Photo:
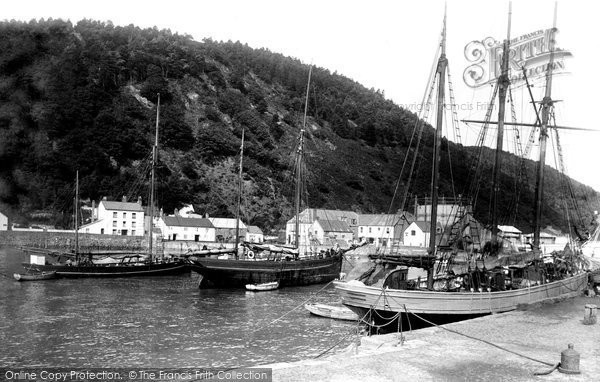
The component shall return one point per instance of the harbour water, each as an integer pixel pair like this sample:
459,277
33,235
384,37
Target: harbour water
156,322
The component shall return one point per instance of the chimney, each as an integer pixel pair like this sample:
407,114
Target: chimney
104,198
94,212
206,215
124,198
139,200
176,212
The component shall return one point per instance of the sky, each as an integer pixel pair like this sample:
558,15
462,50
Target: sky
386,45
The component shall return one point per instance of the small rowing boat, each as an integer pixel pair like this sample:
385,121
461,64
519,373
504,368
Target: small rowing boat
263,287
35,276
330,311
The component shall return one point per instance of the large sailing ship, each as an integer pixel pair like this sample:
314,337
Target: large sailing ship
385,293
110,264
250,263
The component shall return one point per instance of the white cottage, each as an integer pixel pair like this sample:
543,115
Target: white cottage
383,229
3,222
417,234
191,229
225,229
254,234
334,230
308,217
117,218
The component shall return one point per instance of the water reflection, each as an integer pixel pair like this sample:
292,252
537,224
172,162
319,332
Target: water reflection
158,322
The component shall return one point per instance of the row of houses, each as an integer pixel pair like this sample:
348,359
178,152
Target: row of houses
322,227
131,219
317,227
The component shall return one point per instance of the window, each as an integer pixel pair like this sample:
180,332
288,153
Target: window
185,228
124,223
114,215
369,229
114,223
133,215
124,215
114,231
387,230
132,232
353,221
133,224
413,233
361,229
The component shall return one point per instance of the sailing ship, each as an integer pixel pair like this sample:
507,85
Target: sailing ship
385,293
78,265
259,264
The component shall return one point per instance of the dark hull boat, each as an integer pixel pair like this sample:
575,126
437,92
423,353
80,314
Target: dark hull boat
231,273
114,270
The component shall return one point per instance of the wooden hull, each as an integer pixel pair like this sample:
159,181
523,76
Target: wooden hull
443,307
35,277
335,312
106,271
229,273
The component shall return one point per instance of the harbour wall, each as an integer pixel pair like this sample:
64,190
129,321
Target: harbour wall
65,240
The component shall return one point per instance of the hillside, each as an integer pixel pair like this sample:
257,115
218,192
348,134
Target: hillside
83,97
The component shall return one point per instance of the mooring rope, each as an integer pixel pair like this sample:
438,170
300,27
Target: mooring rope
482,340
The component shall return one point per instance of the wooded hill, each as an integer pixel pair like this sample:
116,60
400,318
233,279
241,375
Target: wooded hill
83,97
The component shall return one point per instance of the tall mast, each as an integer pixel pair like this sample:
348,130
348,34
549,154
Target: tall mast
239,197
441,74
77,216
299,161
503,82
154,158
547,105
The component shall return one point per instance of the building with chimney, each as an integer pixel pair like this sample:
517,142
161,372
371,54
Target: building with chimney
116,218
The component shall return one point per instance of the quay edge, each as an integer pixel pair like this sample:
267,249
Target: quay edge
542,332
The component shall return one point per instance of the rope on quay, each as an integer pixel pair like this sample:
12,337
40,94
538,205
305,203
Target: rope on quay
554,366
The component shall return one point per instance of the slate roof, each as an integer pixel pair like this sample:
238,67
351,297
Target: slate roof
309,215
334,226
382,219
226,223
178,221
122,206
255,230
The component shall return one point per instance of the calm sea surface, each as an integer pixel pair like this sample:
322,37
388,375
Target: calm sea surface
156,322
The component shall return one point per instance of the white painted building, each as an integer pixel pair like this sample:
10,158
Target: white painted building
417,234
117,218
334,230
308,217
3,222
254,234
190,229
511,234
383,229
225,229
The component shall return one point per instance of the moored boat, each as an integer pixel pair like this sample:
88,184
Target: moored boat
330,311
264,263
384,293
263,287
77,264
35,276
